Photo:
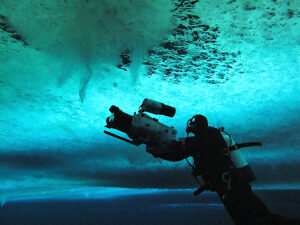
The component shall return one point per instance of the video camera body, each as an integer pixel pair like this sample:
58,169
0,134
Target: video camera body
140,127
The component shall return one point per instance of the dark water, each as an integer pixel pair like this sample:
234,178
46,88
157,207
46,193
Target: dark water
158,208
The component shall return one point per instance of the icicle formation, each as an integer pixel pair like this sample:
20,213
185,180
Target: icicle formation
90,31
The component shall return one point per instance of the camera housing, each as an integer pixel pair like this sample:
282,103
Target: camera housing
140,127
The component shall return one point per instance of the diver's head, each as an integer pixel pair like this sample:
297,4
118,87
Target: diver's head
197,125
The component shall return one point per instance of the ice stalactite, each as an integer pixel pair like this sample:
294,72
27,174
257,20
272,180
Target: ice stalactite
3,200
86,76
97,30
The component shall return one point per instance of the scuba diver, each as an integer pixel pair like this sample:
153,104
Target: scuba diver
222,168
216,158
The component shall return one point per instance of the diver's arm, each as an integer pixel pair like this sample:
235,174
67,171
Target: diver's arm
172,151
175,150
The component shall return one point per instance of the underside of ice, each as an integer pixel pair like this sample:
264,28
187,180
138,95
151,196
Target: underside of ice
64,63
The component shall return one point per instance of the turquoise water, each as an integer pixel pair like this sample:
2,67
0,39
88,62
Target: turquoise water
63,64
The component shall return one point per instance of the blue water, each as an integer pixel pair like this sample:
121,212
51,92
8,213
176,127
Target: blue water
174,207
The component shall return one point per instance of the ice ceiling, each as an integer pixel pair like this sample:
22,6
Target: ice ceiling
64,63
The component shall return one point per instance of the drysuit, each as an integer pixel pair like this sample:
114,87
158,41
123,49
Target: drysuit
223,170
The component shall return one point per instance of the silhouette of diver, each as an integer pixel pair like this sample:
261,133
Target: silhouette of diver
222,168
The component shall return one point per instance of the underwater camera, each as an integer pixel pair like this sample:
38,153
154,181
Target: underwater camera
140,127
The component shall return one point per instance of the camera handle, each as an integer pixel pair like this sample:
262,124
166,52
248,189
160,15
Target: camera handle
123,139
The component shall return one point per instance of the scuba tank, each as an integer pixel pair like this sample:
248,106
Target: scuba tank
235,154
